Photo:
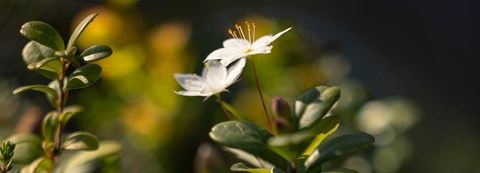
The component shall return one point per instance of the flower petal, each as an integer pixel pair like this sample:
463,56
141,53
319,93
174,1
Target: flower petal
266,40
214,75
261,50
190,82
237,43
234,72
191,93
225,53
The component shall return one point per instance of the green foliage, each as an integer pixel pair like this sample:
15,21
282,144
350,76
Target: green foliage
80,141
84,76
43,33
314,104
47,55
248,137
79,29
338,147
6,154
94,53
301,149
245,168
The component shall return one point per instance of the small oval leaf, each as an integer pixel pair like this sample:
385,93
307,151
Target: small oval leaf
337,148
68,113
290,146
40,165
43,33
325,127
247,137
25,138
49,126
34,52
314,104
79,29
94,53
105,149
84,76
240,167
45,89
48,67
80,141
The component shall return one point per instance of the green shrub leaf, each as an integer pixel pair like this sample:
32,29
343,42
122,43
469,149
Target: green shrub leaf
80,141
40,165
48,67
325,127
34,52
105,149
51,93
290,146
338,147
94,53
49,126
247,137
43,33
314,104
84,76
68,113
240,167
79,29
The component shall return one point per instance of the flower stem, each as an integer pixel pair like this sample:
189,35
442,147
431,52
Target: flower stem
223,106
261,97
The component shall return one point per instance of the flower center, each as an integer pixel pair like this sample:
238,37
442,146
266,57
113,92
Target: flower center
248,34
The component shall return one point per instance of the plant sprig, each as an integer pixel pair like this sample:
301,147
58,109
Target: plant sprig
47,55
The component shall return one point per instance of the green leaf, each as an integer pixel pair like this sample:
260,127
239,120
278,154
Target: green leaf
49,126
25,138
238,167
34,52
314,104
27,152
48,67
79,29
80,141
247,137
94,53
68,113
28,147
51,93
290,146
84,76
337,148
43,33
325,127
41,165
105,149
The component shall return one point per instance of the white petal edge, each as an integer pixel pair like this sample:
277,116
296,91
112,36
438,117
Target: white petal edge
266,40
190,82
224,53
236,43
234,72
191,93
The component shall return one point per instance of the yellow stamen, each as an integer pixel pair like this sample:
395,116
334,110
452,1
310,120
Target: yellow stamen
249,35
253,35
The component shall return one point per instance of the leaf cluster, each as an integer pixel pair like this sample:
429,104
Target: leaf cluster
300,149
47,55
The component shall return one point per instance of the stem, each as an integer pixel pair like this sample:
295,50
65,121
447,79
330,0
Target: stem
61,98
223,107
261,97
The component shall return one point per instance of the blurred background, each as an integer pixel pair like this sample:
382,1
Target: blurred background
407,69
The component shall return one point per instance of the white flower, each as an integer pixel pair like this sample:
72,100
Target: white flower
243,45
215,79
